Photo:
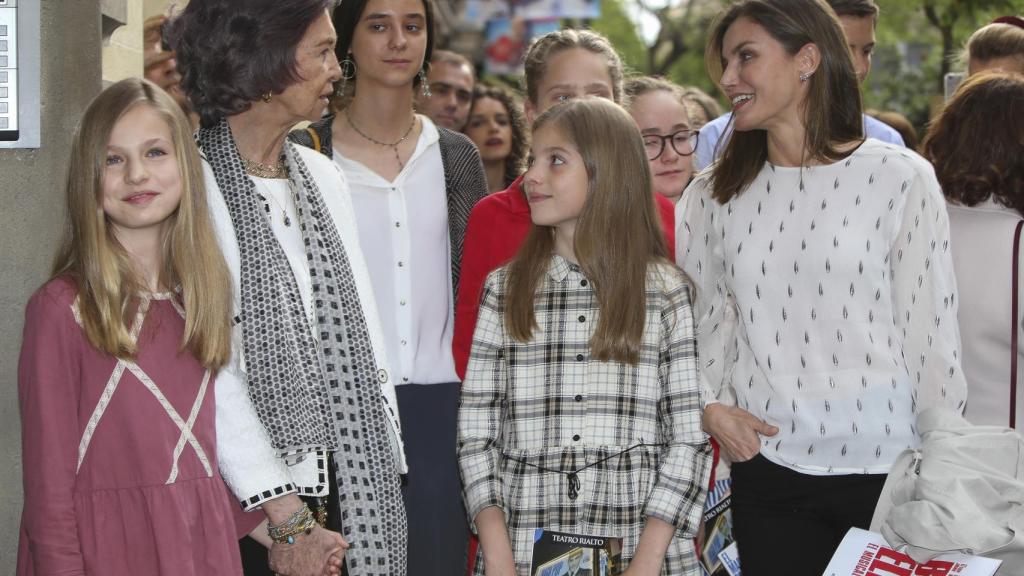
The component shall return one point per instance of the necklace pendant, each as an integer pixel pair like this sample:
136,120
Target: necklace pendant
287,220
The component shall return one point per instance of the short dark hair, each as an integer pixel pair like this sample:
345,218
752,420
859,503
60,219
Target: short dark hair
858,8
231,52
975,142
346,16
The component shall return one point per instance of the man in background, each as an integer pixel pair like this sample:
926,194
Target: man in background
451,81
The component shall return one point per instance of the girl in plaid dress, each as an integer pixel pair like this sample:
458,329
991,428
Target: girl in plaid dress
580,409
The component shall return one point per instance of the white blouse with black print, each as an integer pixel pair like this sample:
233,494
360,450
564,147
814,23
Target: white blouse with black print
826,305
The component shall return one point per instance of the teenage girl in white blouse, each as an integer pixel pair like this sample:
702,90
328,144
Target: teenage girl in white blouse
826,304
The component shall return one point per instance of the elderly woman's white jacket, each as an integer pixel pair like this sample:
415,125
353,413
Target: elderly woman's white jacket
248,461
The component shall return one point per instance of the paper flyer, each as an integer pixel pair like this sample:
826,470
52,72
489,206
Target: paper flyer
864,553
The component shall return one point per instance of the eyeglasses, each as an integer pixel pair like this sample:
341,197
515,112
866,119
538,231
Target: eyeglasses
683,142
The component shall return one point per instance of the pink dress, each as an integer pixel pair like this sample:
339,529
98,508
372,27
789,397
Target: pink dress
120,466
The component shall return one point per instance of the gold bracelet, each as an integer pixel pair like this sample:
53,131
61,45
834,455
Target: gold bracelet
301,521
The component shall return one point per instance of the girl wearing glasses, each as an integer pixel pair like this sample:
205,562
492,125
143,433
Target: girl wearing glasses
826,304
658,107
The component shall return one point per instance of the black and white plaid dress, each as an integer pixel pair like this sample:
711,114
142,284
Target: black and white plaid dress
546,404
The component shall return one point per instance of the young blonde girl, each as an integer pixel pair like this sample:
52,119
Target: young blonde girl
580,405
119,355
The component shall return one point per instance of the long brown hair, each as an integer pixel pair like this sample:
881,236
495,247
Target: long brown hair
617,234
832,107
92,256
975,143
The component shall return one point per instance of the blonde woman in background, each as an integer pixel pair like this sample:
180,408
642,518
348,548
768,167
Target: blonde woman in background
996,46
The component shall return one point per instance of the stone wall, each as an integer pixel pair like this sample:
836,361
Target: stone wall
31,189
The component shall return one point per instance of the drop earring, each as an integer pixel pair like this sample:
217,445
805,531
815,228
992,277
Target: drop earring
424,86
348,72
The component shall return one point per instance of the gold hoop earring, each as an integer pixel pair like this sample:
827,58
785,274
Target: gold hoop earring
266,97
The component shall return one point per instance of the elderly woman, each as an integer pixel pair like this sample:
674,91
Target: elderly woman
306,406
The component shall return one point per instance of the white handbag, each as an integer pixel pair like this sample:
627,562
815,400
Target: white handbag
961,491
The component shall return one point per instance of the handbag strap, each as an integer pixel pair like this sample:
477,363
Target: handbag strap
315,137
1015,256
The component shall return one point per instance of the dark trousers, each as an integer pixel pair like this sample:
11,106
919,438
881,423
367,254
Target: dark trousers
432,490
792,523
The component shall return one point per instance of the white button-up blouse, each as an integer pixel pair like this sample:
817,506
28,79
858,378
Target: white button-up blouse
403,229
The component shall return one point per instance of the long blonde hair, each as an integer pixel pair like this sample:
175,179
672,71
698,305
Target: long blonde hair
92,256
618,233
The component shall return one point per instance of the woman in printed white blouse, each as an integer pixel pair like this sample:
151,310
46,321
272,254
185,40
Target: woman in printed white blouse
826,304
580,408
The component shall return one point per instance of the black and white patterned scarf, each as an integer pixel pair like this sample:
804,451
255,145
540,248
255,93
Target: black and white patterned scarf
310,401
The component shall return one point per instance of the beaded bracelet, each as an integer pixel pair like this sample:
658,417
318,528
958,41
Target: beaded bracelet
301,521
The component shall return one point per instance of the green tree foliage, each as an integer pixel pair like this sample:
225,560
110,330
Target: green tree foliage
918,42
616,25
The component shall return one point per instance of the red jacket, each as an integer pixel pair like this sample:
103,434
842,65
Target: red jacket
497,227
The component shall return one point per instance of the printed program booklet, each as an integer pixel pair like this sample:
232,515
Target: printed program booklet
716,545
864,553
564,554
